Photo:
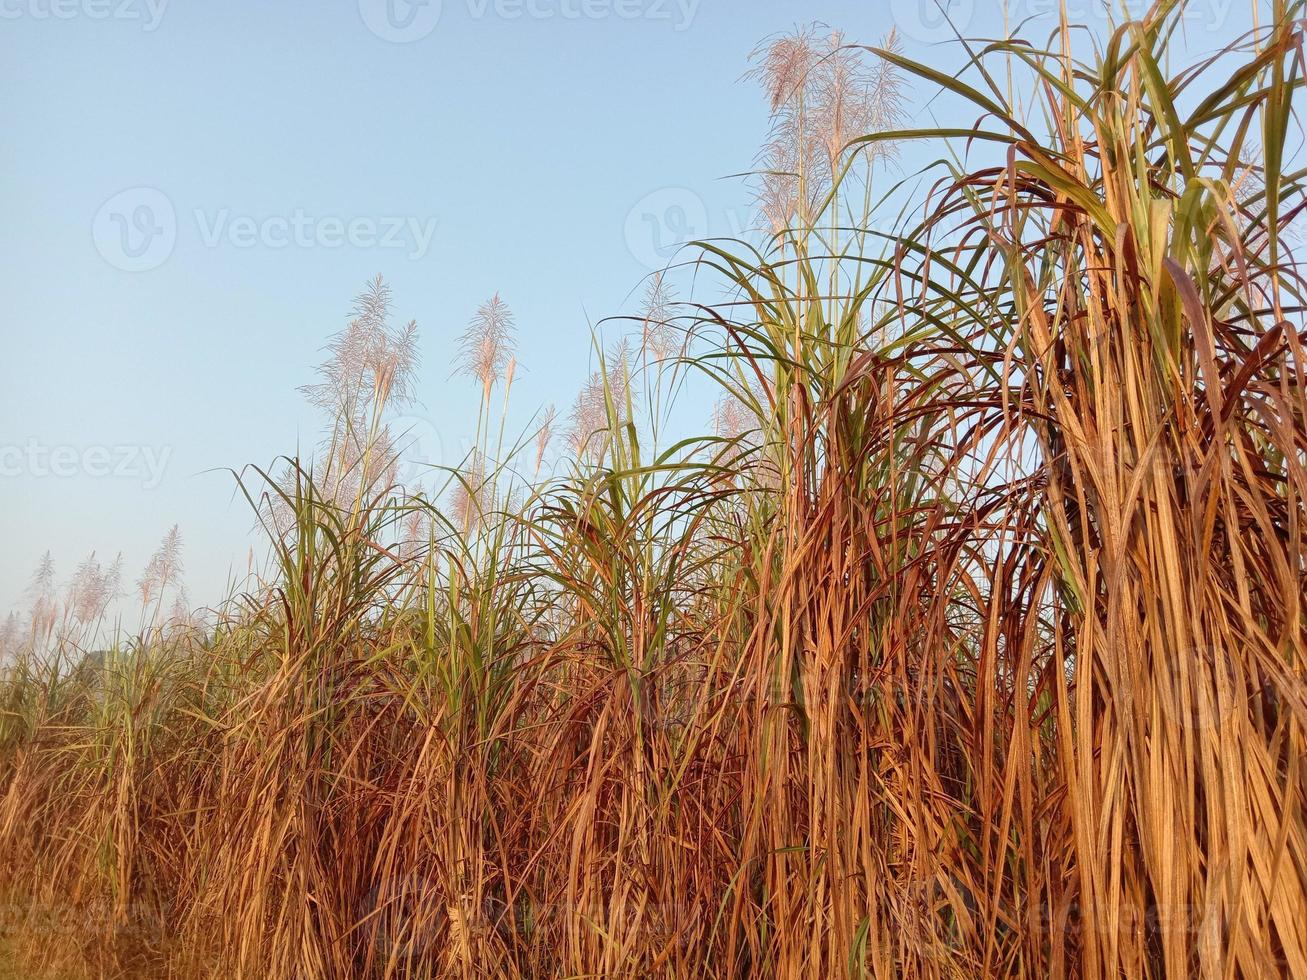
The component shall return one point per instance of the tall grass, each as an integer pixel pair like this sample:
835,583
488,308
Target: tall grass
970,643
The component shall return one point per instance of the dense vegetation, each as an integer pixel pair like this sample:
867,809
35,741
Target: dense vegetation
970,642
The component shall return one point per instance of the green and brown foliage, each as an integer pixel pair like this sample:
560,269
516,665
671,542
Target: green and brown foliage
970,644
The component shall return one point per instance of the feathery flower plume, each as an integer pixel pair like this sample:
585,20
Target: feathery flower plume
486,346
545,434
602,404
589,419
731,418
367,358
853,98
618,372
45,606
93,589
786,61
473,493
370,367
414,533
886,99
164,567
42,583
658,338
181,615
789,158
822,94
9,638
113,578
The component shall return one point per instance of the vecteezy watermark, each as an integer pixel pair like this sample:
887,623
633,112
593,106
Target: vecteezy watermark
1210,15
419,450
400,21
932,21
678,13
148,12
663,222
404,21
299,229
136,230
125,462
94,918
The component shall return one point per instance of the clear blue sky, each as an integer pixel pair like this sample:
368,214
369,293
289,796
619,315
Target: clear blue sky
547,140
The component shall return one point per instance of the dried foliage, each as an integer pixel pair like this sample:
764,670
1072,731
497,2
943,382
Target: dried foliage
981,656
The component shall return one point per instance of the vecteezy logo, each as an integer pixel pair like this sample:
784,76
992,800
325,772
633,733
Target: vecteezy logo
663,222
136,229
419,451
400,21
930,21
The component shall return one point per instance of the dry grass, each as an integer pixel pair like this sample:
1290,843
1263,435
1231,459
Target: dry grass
973,646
